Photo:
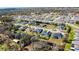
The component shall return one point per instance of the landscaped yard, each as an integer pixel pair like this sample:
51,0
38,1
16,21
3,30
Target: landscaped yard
56,41
69,40
67,46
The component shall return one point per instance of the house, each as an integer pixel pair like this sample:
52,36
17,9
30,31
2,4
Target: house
23,28
17,27
75,45
61,26
45,34
32,23
71,21
59,20
76,39
17,35
74,19
56,35
23,23
16,40
38,30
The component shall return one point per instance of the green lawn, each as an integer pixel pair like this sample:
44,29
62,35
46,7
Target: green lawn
67,46
69,41
71,35
3,47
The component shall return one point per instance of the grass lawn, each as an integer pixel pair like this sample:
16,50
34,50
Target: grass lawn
70,39
71,35
67,46
76,24
3,47
50,26
56,41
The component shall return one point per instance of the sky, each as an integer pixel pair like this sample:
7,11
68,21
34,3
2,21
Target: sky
38,3
40,55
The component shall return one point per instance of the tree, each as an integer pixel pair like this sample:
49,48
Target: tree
69,29
69,40
25,40
77,22
6,19
41,46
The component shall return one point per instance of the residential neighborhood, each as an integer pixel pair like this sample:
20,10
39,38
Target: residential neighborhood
39,29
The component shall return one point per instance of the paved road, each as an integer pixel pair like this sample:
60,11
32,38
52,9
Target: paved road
72,25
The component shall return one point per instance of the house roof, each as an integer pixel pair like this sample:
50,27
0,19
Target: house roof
75,42
16,40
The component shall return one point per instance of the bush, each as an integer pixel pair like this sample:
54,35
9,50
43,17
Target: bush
77,22
26,40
